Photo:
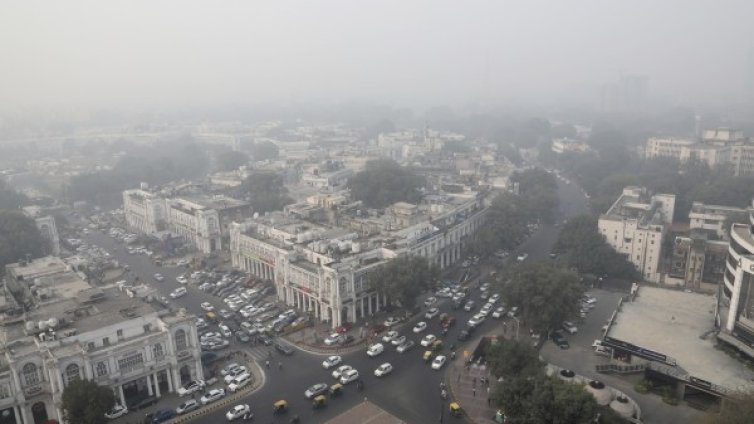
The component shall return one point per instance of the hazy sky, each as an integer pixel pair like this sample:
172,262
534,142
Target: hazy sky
168,53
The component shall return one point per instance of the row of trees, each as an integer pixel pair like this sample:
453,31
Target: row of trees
156,164
403,279
509,215
19,235
581,246
265,191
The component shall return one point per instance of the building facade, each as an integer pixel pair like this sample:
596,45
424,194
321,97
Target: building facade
144,211
712,218
324,270
717,147
196,224
735,313
120,342
635,226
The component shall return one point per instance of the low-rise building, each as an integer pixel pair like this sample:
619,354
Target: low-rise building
564,145
144,210
71,331
322,268
721,146
713,217
635,226
47,228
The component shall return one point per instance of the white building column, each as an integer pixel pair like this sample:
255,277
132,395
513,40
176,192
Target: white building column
149,385
121,395
177,375
735,296
378,300
18,417
156,385
362,306
369,303
169,375
24,418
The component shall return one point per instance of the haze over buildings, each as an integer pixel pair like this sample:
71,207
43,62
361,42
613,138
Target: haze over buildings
188,53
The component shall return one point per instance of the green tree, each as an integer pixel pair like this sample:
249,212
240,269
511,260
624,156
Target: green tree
539,193
402,279
546,294
85,402
583,247
264,150
19,237
229,160
265,191
505,226
510,358
11,199
384,182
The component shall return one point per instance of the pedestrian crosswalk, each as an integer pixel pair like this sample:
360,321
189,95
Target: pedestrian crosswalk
259,353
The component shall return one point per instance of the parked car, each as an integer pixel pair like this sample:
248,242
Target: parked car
333,339
469,306
499,312
191,387
570,327
117,411
559,339
391,321
430,301
389,336
212,395
187,406
163,415
239,382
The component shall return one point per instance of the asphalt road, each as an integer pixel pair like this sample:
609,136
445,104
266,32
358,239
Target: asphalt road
410,392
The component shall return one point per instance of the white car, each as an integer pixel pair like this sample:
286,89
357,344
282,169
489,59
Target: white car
476,320
391,321
180,291
431,313
333,339
438,362
428,340
398,341
331,361
237,412
181,279
570,327
349,376
375,349
315,390
499,312
229,368
225,330
238,372
430,301
188,405
159,277
389,336
117,412
513,312
191,387
183,262
212,396
383,370
405,346
207,306
419,327
210,335
239,382
495,297
340,371
597,343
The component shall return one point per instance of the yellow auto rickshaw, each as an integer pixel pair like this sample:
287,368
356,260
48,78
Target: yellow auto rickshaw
336,389
280,406
428,355
455,409
319,402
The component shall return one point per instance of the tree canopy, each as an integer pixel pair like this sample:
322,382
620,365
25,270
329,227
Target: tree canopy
505,227
264,150
510,358
384,182
265,191
11,199
19,237
155,164
403,278
85,402
546,294
583,247
538,191
229,160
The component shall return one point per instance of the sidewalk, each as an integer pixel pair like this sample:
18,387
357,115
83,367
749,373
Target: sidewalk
468,388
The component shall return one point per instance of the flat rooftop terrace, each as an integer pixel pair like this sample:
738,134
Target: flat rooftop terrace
673,323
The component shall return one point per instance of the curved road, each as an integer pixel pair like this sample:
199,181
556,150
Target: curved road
410,392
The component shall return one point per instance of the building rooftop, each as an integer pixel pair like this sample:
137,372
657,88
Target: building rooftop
680,325
36,268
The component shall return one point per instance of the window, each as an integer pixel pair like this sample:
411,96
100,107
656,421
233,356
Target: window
158,351
119,333
90,346
72,373
180,340
101,369
134,360
106,341
147,328
4,391
31,376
